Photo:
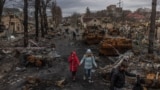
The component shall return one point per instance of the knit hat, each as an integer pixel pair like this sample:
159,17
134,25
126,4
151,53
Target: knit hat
73,53
88,51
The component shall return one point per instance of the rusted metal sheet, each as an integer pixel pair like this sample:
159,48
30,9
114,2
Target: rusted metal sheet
152,80
35,61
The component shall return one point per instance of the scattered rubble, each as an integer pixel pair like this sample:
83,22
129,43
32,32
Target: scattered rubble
147,67
60,83
112,46
15,58
93,35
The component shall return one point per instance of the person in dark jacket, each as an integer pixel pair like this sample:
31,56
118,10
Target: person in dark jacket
74,35
118,77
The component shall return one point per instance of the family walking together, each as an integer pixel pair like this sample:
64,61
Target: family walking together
117,77
89,62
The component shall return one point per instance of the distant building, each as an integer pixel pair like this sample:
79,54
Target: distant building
14,11
91,22
12,23
135,16
114,11
94,22
143,10
118,12
101,22
146,12
12,19
111,8
126,12
84,21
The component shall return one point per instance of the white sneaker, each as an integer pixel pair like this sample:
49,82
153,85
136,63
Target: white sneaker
90,81
84,77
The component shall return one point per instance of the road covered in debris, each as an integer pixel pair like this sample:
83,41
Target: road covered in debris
53,76
44,64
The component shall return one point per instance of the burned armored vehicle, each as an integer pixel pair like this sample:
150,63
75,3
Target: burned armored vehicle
93,35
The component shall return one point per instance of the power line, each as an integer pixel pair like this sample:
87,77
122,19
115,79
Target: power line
120,3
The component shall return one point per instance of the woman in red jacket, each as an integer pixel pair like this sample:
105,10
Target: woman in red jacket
74,63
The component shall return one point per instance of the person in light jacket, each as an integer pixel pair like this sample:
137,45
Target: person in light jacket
89,61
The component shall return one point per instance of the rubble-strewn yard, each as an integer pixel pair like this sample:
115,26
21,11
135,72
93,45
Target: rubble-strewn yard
47,67
15,76
38,36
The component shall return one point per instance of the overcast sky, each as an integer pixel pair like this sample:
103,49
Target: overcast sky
71,6
79,6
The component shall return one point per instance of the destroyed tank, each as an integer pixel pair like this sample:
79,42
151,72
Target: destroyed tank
93,35
112,46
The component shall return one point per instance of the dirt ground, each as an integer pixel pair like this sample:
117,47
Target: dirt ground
14,76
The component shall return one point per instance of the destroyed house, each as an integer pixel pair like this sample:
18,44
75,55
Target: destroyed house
135,16
91,22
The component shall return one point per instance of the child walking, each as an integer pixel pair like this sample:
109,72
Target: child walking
74,63
89,61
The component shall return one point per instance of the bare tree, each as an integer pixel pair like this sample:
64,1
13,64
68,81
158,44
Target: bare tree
56,14
2,2
53,11
25,11
74,18
59,15
44,5
88,12
42,19
152,27
37,4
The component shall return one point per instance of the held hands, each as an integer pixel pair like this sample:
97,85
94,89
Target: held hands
96,66
138,76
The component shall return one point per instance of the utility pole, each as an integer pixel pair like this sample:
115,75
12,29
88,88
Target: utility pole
119,3
152,27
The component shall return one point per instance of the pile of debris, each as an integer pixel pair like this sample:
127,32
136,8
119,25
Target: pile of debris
31,59
112,46
38,58
93,35
145,65
32,83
